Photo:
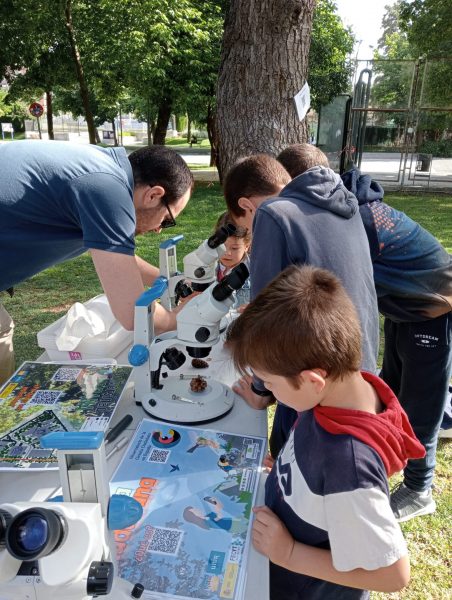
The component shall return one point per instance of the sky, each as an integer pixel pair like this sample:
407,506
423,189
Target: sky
364,16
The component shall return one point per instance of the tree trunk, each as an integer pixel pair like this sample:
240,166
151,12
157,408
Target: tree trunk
84,94
161,126
115,137
189,129
212,135
149,123
49,114
264,62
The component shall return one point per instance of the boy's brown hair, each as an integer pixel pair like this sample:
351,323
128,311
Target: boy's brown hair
298,158
303,319
256,175
241,233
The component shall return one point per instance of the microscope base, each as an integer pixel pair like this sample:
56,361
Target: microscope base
176,403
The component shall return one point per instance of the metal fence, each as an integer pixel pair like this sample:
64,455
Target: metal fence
396,125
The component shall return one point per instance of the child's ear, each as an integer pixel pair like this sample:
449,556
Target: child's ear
315,377
246,204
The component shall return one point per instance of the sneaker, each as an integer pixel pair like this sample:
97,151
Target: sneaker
446,425
407,504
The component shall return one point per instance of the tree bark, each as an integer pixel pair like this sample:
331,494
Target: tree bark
115,137
212,134
189,129
264,62
84,93
161,126
49,114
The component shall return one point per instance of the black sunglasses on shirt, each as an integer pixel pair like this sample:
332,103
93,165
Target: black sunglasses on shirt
167,221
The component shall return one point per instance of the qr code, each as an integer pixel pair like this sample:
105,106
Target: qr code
45,397
165,541
66,374
159,456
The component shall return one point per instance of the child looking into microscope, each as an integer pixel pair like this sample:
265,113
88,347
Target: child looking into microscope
327,525
237,248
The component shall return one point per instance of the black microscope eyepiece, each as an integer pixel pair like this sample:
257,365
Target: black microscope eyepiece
221,235
231,282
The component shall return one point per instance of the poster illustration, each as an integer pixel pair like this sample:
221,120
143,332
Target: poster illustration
197,488
44,397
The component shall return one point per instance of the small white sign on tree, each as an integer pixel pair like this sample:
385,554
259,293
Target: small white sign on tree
302,101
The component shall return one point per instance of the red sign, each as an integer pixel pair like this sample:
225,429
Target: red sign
36,109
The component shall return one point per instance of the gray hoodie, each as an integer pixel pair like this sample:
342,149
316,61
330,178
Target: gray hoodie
315,221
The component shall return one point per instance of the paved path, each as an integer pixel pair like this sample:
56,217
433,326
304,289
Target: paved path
384,167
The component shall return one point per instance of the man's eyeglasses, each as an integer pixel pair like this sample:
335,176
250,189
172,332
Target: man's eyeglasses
167,221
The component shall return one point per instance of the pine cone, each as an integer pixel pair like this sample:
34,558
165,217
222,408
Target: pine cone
198,384
199,363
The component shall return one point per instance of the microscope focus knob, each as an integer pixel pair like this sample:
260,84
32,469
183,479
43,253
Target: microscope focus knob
202,334
137,591
138,355
200,272
100,578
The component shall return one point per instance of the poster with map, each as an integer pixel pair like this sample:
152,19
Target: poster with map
197,488
44,397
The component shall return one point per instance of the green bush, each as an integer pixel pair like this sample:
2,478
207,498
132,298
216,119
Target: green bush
442,149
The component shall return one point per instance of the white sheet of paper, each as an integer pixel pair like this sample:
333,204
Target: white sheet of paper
303,101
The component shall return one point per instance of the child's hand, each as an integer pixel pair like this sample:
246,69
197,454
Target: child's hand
268,462
242,387
271,537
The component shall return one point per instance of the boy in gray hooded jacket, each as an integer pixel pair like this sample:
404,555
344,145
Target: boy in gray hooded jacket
314,220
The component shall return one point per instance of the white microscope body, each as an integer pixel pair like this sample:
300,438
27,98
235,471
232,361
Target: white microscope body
62,550
198,329
65,572
199,265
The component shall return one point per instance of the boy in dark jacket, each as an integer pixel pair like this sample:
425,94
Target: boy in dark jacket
413,279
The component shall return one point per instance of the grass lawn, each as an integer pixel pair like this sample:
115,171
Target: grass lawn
47,296
181,142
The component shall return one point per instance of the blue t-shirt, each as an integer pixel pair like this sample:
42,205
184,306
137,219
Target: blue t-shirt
58,200
331,492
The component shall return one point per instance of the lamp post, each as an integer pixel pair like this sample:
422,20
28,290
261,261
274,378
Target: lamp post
357,51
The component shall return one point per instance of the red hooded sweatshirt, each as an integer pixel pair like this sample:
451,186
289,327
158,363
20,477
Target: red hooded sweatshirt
389,433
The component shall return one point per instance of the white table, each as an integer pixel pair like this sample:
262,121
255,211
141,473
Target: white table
38,486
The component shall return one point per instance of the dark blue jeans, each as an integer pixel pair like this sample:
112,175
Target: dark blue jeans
417,365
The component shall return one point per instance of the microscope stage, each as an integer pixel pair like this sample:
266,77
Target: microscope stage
176,403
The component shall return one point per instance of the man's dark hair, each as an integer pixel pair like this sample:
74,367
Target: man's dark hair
157,165
256,175
298,158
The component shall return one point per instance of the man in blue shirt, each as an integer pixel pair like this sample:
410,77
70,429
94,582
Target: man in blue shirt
58,200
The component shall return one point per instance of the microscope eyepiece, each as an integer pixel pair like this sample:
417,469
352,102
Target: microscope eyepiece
221,235
35,533
231,282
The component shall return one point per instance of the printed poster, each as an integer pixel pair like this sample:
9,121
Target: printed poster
44,397
196,488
